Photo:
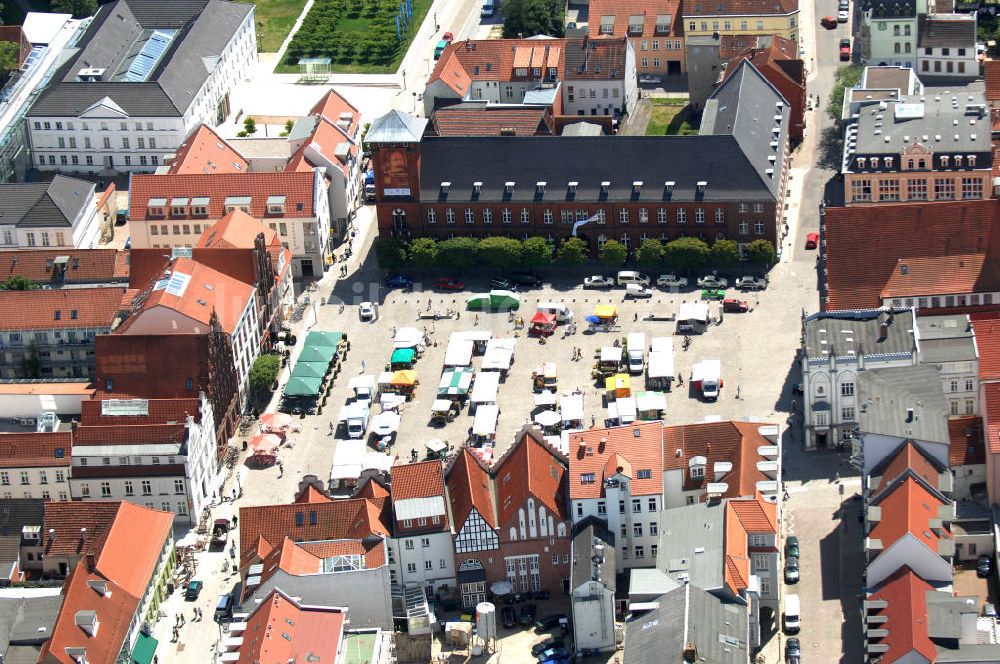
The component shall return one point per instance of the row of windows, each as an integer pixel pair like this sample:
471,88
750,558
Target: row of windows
89,160
178,229
637,529
950,67
602,508
428,565
46,495
126,142
944,161
42,337
43,477
486,215
32,241
103,126
934,302
727,25
124,460
129,488
953,384
916,189
668,45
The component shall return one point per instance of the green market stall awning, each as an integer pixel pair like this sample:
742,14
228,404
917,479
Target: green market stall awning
321,354
320,338
310,369
145,648
456,382
495,300
403,356
303,386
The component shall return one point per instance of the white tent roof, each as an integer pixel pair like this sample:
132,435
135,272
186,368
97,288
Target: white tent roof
459,353
661,364
545,398
611,354
661,344
352,457
499,354
571,406
408,337
486,387
486,420
651,401
693,311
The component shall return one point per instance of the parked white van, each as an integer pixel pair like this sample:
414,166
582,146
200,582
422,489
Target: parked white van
636,342
792,613
562,313
626,277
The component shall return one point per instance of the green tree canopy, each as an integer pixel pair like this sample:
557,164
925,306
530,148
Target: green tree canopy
573,251
650,253
8,57
536,252
423,253
17,282
761,252
528,18
457,253
78,8
263,372
613,253
500,252
390,253
725,254
687,253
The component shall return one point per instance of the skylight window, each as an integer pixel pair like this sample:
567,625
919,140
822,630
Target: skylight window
149,55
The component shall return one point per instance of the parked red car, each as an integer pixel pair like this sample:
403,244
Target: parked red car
448,37
845,49
735,306
829,22
447,283
812,240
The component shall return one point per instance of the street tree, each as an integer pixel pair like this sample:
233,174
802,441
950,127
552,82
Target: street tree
687,253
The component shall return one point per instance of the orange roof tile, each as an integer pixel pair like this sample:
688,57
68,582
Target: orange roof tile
372,489
908,457
733,442
136,434
281,630
908,509
153,366
487,60
130,560
298,189
589,452
991,74
623,10
64,308
469,488
742,519
114,612
492,120
988,342
311,494
417,480
906,610
861,264
33,450
740,8
320,149
530,468
966,444
159,411
165,308
991,397
204,151
332,106
237,230
67,519
85,266
755,515
76,387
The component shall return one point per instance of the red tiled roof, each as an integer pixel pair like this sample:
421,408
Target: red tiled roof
331,106
908,509
139,434
372,489
311,494
595,59
153,366
67,518
732,442
114,611
991,397
754,515
303,558
530,468
469,488
237,230
967,447
764,53
417,480
742,519
991,74
910,457
492,120
63,308
906,596
34,450
166,312
133,546
622,10
740,8
860,263
490,60
281,630
204,151
589,452
320,149
352,518
70,386
84,265
298,189
988,342
159,411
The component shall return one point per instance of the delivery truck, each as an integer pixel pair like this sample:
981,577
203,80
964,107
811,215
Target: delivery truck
706,376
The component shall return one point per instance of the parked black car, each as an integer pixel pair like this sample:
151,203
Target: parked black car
539,648
545,623
984,566
793,651
507,616
526,279
527,614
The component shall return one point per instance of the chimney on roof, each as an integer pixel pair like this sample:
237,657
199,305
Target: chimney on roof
52,534
690,652
91,562
909,414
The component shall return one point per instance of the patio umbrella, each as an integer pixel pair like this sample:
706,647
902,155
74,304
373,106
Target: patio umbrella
592,319
264,443
548,418
275,420
436,445
501,587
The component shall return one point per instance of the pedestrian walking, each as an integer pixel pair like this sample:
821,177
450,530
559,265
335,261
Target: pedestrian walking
281,469
476,321
177,635
680,379
234,494
331,428
635,317
363,366
737,391
428,304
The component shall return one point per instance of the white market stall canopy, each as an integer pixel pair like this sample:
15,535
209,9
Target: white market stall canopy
408,337
459,353
694,311
661,364
649,401
611,354
353,457
486,387
485,423
571,406
499,354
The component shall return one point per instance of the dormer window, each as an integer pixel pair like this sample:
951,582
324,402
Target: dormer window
702,185
179,207
238,203
605,186
696,467
944,160
445,187
861,162
276,205
477,188
199,206
572,187
155,207
508,187
540,188
972,160
958,160
635,24
607,25
887,162
637,186
663,22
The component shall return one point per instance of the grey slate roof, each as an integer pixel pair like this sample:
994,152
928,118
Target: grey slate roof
744,107
590,532
396,127
846,333
205,27
45,204
718,630
890,8
947,338
953,30
885,395
21,620
936,123
692,544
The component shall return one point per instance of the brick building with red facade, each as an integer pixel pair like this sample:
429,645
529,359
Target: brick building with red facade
729,182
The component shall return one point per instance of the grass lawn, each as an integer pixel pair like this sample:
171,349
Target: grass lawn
274,19
357,27
668,117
